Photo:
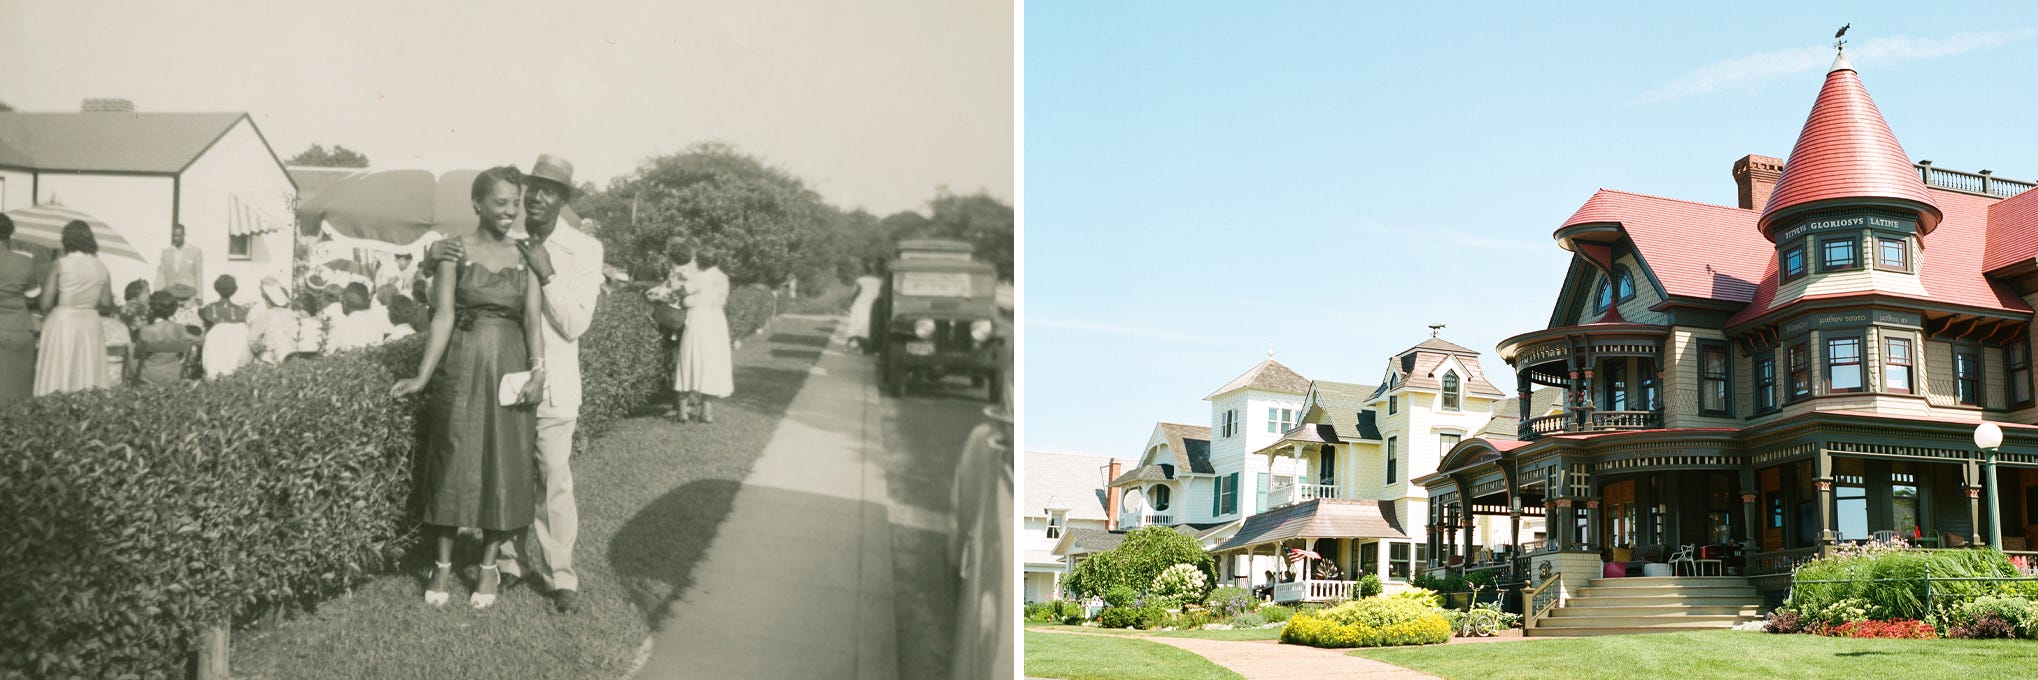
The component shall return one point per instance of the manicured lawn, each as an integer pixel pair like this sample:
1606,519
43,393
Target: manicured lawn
1719,654
651,493
1247,634
1097,657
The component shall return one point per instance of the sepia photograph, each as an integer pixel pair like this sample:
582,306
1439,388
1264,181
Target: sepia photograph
512,339
1371,340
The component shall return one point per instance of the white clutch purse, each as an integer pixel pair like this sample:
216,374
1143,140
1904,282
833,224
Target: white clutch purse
513,387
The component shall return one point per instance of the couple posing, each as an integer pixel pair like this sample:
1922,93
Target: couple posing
503,305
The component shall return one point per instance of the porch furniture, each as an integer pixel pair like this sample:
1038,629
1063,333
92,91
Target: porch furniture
1885,536
1614,570
1684,556
1926,541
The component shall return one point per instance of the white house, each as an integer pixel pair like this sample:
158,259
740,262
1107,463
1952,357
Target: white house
1064,493
143,172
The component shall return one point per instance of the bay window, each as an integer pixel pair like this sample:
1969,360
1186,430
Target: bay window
1896,365
1843,365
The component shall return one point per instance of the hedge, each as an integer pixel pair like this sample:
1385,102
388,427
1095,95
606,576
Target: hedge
137,515
1376,622
1886,583
749,309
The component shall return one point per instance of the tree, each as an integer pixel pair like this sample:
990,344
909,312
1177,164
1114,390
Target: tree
983,221
765,221
1135,563
4,108
339,157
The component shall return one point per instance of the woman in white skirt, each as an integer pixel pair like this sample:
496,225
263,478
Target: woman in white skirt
860,309
705,368
226,331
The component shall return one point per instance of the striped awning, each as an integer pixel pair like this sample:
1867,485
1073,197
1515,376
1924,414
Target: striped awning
243,218
43,225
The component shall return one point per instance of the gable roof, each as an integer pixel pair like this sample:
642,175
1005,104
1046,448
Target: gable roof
1696,250
1146,473
1342,403
1268,376
1190,444
1065,480
2012,231
153,143
1846,151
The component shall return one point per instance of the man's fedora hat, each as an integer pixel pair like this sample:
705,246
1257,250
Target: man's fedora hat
553,169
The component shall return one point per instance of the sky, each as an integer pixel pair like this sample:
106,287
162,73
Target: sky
875,104
1206,180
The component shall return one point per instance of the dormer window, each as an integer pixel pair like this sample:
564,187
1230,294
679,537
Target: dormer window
1056,520
1604,298
1623,286
1451,395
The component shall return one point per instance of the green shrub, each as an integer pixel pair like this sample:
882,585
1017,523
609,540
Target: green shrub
1369,585
1231,601
2016,611
1135,563
1248,621
622,363
139,514
1120,596
1188,620
1423,595
1888,584
749,309
1275,612
1145,617
1376,612
1309,629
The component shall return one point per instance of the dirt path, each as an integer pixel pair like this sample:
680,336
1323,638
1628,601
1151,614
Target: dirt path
1271,660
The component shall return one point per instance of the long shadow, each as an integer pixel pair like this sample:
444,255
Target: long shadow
767,390
803,339
801,354
663,542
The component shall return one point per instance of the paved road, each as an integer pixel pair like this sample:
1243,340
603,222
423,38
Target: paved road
832,562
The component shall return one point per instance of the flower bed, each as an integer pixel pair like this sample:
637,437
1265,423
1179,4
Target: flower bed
1375,622
1887,590
138,515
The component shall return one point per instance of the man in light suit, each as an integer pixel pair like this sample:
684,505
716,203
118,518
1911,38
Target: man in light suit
569,265
182,265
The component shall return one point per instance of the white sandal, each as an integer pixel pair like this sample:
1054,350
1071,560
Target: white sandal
438,598
483,600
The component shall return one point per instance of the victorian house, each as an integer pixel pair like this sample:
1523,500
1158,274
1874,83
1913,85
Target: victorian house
1765,380
1065,497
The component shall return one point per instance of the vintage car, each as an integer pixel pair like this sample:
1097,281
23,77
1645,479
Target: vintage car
940,318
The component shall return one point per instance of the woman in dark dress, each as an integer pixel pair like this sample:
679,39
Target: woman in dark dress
478,453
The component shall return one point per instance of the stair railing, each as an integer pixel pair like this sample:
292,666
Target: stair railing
1539,600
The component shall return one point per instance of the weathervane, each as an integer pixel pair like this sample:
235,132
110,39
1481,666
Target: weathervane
1433,328
1270,350
1839,44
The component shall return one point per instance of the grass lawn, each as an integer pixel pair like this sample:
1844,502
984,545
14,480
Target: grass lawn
1096,657
1247,634
1718,654
650,492
834,300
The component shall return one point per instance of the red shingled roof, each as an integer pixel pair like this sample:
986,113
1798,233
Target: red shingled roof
1846,151
1950,267
2012,231
1696,250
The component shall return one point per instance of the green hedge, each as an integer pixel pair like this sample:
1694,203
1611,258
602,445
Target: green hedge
1376,622
136,515
749,309
1887,583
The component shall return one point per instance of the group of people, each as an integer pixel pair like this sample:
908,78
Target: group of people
696,291
61,330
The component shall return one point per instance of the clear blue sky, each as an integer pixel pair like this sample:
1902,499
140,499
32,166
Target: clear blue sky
1203,179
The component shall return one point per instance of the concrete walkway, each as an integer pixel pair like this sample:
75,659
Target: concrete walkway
1271,660
797,582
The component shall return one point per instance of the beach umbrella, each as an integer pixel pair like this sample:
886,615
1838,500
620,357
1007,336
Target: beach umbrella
396,206
43,225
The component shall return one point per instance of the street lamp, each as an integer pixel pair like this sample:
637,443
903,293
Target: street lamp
1989,437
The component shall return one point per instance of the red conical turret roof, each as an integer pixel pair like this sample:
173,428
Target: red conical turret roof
1846,154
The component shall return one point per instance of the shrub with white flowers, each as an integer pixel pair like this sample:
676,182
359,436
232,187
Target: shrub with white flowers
1181,583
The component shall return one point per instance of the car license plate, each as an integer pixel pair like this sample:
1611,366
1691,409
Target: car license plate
920,348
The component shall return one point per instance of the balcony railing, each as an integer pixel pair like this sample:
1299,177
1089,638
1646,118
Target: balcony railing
1307,590
1148,520
1971,182
1290,494
1597,421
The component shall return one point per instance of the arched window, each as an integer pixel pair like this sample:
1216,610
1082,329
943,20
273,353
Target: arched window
1451,391
1623,285
1604,298
1160,498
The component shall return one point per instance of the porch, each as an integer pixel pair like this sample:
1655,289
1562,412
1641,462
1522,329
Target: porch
1610,373
1317,550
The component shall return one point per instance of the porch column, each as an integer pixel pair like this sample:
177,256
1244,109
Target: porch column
1450,530
1559,520
1593,541
1574,395
1514,527
1974,502
1471,539
1523,392
1824,480
1750,511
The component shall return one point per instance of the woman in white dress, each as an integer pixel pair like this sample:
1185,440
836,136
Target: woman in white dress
272,330
72,355
706,368
226,331
861,308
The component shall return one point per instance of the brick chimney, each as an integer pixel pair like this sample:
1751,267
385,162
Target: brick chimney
106,105
1111,496
1756,176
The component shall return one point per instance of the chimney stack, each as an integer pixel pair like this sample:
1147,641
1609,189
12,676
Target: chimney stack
1756,178
107,105
1111,496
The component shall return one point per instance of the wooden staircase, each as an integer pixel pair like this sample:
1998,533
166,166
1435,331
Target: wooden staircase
1659,604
